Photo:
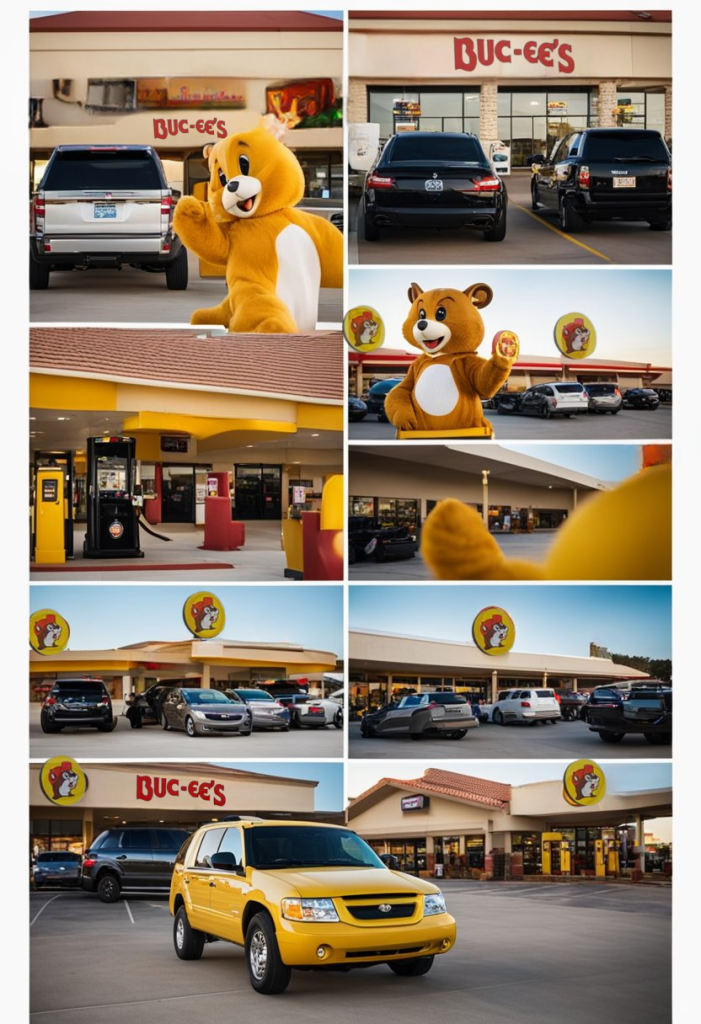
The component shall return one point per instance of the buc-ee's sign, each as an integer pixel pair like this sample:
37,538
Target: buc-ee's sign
472,52
150,787
165,126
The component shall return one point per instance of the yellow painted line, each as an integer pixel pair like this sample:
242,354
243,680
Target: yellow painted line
562,234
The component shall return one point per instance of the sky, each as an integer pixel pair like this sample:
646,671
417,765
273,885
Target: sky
108,617
607,462
558,619
630,309
328,796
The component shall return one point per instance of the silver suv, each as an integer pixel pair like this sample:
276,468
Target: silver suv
563,398
533,705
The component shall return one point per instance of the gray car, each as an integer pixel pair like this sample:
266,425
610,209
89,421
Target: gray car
604,398
267,712
437,713
201,712
57,868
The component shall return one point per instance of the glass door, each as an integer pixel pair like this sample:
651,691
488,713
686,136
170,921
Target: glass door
178,504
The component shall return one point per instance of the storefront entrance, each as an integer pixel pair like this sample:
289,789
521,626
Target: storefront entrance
178,502
258,492
411,854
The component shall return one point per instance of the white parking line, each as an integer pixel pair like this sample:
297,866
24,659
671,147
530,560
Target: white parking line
131,916
43,908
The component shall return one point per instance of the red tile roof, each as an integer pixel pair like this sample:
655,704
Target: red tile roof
494,15
464,787
185,21
302,366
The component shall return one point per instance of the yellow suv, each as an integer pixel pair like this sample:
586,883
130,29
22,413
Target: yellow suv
305,895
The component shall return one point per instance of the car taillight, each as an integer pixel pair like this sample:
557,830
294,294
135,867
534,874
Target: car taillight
375,181
433,704
583,177
617,392
525,703
554,403
104,700
49,701
39,206
166,204
669,179
89,862
490,184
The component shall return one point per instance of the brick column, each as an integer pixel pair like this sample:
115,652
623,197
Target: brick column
668,112
357,105
607,104
489,130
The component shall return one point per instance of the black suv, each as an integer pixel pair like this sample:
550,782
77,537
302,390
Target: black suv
77,703
131,859
433,180
645,709
606,174
366,539
640,398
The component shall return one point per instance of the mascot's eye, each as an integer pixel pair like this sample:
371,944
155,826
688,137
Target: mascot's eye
244,164
441,314
422,314
222,177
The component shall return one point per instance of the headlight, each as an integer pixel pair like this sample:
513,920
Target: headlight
434,904
295,909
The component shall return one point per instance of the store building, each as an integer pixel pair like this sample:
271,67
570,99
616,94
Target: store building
215,664
176,80
386,666
527,81
449,825
399,485
164,794
269,414
366,368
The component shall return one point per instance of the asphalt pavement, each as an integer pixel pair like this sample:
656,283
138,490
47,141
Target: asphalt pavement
536,953
570,740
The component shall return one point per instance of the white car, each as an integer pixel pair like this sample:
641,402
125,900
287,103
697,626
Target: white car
532,705
332,707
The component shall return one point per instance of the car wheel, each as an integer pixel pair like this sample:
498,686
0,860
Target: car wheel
38,275
38,885
266,971
108,889
498,718
382,418
661,225
189,726
188,942
411,968
417,735
370,233
458,734
570,415
368,731
611,737
615,412
108,726
176,272
535,205
135,721
498,232
49,727
545,412
570,221
338,720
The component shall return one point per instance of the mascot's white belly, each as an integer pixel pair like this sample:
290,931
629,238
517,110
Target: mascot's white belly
435,391
298,275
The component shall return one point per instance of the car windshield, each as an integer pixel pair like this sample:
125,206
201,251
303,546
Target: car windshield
101,169
449,149
601,389
626,145
253,695
286,846
568,389
205,697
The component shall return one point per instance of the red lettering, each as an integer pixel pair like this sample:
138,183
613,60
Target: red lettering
545,54
529,52
465,59
173,787
485,52
159,787
144,789
219,798
221,128
159,128
200,125
209,126
172,126
184,126
193,788
503,51
204,790
566,64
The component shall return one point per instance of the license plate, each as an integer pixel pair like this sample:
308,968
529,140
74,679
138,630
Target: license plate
434,185
105,211
624,182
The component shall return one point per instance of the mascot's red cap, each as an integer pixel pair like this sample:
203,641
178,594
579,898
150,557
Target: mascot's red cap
361,318
57,771
488,624
571,327
41,624
198,607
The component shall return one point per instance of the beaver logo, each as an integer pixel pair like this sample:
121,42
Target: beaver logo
48,632
364,328
494,632
576,335
63,779
205,614
586,782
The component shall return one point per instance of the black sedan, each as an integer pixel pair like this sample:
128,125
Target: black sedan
357,409
201,712
433,180
367,538
640,398
647,710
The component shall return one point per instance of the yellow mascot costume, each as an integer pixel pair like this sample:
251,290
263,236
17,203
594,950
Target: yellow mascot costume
443,387
276,257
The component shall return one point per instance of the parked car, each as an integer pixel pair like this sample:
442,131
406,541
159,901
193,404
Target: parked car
606,174
537,704
433,180
357,409
377,394
200,712
57,867
77,703
367,539
640,398
644,709
267,712
419,715
131,859
300,894
571,703
482,716
601,696
557,398
146,708
105,206
604,398
332,707
304,712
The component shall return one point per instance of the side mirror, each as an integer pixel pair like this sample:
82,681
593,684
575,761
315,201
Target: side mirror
225,862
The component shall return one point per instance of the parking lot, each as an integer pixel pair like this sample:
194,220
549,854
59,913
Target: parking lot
627,425
152,742
530,238
570,740
539,953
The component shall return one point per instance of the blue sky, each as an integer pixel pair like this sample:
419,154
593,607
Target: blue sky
107,617
328,796
630,309
632,620
609,462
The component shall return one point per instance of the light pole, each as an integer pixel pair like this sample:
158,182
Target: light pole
485,497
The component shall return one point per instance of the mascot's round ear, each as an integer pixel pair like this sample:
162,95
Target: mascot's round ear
414,291
479,294
207,150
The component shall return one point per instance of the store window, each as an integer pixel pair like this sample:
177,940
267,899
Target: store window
529,845
323,173
411,854
366,694
362,507
398,512
431,110
402,686
533,121
640,110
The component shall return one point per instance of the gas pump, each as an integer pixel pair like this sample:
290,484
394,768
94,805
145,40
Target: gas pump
566,857
113,530
60,462
612,856
599,862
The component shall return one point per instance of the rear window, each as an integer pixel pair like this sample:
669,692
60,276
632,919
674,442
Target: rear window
626,145
568,389
170,838
59,857
601,389
94,169
79,687
545,693
253,695
447,698
444,148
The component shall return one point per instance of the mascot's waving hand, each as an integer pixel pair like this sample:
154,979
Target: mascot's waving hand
276,257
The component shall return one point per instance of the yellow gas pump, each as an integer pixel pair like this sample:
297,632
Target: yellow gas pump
599,862
613,857
547,841
565,858
547,860
50,516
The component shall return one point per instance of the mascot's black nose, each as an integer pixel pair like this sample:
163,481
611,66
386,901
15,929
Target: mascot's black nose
422,325
232,186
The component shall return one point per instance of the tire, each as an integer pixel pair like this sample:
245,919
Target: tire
411,968
417,735
368,732
370,232
176,272
498,718
458,734
49,727
611,737
190,726
615,412
498,232
188,942
570,220
108,727
135,720
108,888
38,275
545,412
535,205
266,971
661,225
338,721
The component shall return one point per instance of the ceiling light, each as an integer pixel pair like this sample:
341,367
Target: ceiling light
315,435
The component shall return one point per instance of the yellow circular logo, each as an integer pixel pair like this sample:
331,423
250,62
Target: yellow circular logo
63,781
583,783
363,328
48,632
506,343
494,631
575,336
204,614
